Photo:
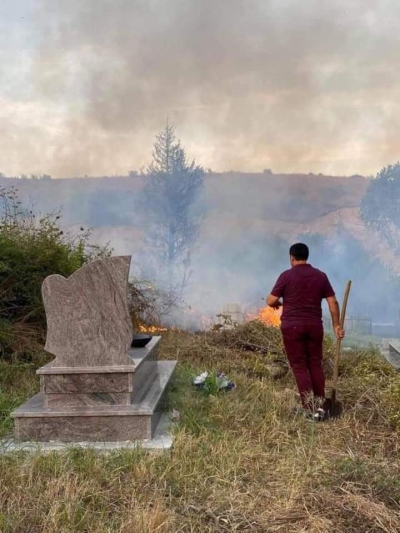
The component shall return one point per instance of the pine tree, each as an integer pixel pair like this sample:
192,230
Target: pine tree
173,186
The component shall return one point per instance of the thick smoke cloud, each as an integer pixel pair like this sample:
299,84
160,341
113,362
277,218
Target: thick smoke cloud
295,86
251,84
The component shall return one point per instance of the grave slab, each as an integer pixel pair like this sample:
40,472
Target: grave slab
97,388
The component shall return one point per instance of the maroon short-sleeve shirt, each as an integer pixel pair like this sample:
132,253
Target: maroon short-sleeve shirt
302,289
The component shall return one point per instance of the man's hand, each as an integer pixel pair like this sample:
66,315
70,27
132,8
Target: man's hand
273,301
339,332
277,305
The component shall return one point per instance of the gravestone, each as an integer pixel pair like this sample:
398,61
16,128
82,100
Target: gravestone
97,388
394,353
233,313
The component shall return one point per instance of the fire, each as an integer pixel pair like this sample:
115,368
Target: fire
151,329
270,317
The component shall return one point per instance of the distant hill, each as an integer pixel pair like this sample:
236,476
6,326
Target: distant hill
283,197
110,201
250,219
239,206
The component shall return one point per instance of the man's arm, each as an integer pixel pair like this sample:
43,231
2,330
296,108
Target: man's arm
273,301
335,314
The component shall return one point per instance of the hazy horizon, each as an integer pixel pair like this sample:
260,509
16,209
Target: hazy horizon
136,173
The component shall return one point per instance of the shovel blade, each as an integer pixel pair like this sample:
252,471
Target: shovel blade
334,408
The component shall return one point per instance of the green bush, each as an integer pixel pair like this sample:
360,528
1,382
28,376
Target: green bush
31,248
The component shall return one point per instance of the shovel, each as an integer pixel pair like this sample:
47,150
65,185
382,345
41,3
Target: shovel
334,407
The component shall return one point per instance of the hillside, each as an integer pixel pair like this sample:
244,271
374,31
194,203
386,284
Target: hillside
279,197
249,222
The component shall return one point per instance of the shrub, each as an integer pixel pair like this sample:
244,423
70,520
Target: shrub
31,248
149,305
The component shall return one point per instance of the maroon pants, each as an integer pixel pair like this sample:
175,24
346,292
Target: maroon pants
303,345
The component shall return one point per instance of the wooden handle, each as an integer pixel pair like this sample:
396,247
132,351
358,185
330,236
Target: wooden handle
344,305
339,341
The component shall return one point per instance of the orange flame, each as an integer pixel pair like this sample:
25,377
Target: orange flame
270,317
151,329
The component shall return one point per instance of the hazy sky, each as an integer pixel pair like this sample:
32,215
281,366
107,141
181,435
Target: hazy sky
311,85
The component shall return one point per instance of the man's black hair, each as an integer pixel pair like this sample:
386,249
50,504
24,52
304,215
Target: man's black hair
299,251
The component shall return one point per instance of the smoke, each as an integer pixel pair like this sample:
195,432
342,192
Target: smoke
244,271
250,222
250,84
295,86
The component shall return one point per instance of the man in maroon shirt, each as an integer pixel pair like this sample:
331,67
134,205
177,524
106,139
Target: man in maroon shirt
302,289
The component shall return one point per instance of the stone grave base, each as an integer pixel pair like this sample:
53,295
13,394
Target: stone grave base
161,441
97,404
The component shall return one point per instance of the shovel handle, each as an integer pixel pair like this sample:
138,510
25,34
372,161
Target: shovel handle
339,341
344,305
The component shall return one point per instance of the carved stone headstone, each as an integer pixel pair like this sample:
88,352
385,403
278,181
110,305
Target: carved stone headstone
88,322
97,389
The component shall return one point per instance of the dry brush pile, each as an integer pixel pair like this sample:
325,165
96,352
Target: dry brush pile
252,348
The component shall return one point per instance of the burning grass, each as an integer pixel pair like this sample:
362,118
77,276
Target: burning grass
270,317
241,461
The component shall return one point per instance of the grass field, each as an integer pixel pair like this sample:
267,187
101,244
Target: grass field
241,462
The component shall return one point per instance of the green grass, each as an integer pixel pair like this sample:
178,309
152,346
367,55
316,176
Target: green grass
17,383
240,462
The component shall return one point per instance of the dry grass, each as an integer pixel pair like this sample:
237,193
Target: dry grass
241,462
251,348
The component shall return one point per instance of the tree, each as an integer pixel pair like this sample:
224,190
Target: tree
169,203
380,206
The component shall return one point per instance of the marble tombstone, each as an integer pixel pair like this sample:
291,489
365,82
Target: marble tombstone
97,388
